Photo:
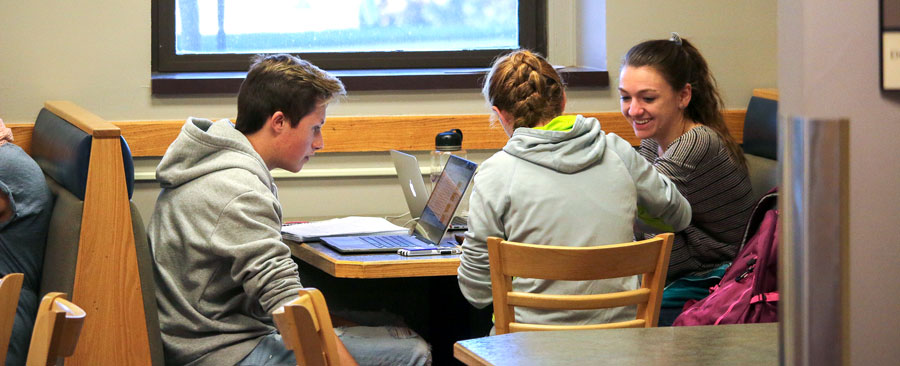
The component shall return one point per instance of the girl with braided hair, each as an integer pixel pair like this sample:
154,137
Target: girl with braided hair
560,180
670,98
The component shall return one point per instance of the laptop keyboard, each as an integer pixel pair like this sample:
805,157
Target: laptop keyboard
388,241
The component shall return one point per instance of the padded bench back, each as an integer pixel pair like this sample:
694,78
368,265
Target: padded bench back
61,253
63,152
761,129
148,286
761,144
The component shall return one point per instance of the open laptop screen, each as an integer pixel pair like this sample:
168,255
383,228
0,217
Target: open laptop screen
447,194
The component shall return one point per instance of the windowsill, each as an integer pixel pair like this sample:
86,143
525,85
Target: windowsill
361,80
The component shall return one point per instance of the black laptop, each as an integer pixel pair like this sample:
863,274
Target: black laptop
432,225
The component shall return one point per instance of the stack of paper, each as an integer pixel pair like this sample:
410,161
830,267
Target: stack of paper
351,225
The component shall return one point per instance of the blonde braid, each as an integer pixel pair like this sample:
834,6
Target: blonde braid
525,85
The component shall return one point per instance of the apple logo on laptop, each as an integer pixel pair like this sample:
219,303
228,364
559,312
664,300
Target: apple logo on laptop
411,189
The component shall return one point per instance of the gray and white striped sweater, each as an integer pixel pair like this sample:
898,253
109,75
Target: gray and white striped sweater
719,192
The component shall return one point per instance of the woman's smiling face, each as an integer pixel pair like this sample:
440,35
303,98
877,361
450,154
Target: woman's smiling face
654,109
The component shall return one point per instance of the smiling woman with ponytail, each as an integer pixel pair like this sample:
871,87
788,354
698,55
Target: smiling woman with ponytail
670,97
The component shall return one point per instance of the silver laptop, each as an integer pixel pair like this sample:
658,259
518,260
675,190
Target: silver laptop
410,178
431,226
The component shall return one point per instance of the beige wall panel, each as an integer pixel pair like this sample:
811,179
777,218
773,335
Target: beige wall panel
97,54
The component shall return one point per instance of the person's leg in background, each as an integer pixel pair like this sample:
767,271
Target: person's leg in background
369,346
385,345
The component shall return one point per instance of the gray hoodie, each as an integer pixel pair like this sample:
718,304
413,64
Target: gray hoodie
221,267
580,187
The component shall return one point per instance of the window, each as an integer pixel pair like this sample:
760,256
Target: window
221,35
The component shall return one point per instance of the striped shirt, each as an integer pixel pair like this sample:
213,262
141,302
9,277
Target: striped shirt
719,191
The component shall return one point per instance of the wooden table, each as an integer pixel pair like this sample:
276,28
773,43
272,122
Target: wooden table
388,265
744,344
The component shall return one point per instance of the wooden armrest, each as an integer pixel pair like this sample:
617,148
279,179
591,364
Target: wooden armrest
82,118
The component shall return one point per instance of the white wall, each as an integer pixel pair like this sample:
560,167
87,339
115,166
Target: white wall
828,68
97,54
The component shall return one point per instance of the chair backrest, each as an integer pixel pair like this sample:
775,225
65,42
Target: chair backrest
306,329
761,142
649,258
10,285
56,330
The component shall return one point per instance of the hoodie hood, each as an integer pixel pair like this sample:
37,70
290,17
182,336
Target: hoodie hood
564,151
204,147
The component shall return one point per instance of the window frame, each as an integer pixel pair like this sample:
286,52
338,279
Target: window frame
532,35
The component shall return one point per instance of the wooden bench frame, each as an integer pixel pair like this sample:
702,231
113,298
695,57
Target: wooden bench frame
107,284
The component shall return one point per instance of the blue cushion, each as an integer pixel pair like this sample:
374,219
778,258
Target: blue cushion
63,151
761,129
128,163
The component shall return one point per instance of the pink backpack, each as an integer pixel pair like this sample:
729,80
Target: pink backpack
748,292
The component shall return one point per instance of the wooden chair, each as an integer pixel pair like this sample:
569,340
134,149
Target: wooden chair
647,257
56,330
10,285
305,327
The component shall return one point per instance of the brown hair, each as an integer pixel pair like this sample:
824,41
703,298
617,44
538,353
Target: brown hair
680,63
525,85
283,83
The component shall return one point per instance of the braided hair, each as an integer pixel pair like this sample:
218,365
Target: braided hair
680,63
525,85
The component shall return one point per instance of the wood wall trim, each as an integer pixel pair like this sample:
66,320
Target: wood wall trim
373,133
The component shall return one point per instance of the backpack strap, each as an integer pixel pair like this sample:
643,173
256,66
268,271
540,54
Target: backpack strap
766,297
765,203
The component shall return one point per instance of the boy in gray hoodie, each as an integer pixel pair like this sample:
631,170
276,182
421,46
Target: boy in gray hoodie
221,267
